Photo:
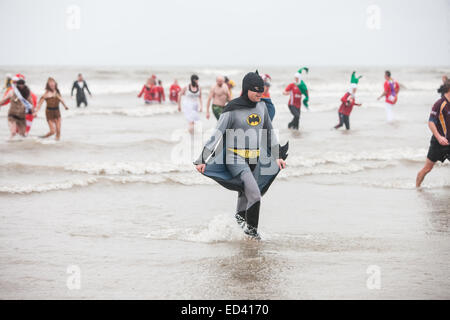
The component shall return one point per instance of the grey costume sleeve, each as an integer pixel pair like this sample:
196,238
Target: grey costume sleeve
222,125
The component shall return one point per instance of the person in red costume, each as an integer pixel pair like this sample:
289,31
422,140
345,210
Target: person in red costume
148,91
391,89
29,115
348,101
174,91
161,97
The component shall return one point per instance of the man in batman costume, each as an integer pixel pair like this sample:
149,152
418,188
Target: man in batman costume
243,154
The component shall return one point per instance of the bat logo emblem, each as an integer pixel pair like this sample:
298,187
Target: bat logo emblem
253,119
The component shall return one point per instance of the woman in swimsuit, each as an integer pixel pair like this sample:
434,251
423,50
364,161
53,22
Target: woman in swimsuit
52,97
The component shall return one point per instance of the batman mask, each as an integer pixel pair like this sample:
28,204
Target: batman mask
251,82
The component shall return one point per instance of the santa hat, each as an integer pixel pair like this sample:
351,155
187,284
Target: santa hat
20,76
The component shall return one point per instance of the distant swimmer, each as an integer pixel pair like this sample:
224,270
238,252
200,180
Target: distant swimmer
80,85
148,91
441,88
295,102
302,86
266,96
348,101
52,97
439,124
190,98
174,91
220,95
391,90
231,84
354,80
21,104
243,154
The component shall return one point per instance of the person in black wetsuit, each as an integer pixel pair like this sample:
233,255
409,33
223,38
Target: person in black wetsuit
80,84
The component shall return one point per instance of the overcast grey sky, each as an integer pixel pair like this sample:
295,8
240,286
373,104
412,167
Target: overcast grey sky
230,32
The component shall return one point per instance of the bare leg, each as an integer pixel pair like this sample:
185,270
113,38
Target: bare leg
191,127
12,128
422,173
51,125
58,128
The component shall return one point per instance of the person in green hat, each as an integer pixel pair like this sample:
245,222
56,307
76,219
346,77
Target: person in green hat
302,86
354,80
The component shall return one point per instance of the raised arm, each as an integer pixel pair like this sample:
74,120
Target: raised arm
6,98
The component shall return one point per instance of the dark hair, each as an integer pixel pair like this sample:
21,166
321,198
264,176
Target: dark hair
388,73
159,82
80,74
23,89
47,86
194,78
444,88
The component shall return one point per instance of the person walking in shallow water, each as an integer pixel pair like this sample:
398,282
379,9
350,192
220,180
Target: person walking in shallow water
80,85
391,90
190,101
21,103
250,156
220,95
52,97
439,124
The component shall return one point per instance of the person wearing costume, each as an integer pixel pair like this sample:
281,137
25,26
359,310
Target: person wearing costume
302,86
391,90
174,91
354,84
21,104
80,85
243,154
230,83
348,102
52,97
10,82
266,96
190,102
147,91
295,103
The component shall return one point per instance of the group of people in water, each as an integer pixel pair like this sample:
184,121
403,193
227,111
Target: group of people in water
249,163
190,102
24,105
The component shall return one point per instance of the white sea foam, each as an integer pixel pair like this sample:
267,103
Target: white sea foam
220,229
46,187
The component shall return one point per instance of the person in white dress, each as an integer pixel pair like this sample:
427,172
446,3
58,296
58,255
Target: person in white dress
190,101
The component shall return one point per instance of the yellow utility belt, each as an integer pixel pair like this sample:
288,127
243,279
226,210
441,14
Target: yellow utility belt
245,153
